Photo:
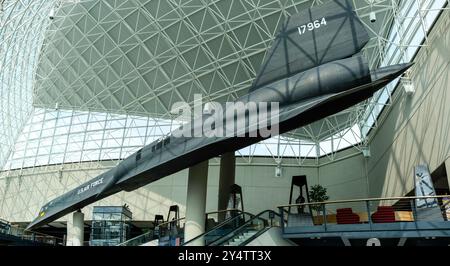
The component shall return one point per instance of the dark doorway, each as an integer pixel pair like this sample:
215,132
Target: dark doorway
440,180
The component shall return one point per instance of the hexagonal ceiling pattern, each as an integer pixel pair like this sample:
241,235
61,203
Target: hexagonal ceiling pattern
141,56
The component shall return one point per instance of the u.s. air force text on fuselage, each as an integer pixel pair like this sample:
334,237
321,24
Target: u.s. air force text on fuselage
90,186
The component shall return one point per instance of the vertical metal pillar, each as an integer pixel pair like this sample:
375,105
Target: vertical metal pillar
226,180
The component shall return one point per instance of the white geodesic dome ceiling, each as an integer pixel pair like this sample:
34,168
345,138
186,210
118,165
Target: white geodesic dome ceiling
138,57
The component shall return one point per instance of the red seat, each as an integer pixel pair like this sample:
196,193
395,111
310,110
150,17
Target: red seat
384,214
346,216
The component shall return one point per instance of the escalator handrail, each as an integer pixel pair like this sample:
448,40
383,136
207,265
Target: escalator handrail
164,224
227,221
255,236
231,234
151,232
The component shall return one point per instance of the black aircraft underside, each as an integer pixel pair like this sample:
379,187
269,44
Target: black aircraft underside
319,80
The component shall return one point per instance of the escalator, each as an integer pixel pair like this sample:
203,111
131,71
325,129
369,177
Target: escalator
239,230
171,233
226,227
140,240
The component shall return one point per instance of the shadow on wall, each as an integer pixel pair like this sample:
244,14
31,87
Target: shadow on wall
417,129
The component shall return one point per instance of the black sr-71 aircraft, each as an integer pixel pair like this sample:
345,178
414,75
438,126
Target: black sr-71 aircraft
314,69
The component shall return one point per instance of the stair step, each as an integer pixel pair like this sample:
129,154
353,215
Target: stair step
239,239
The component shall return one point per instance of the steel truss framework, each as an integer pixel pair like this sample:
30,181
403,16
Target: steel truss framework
22,27
120,66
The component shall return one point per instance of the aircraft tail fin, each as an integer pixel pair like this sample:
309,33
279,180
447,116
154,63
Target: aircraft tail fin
316,36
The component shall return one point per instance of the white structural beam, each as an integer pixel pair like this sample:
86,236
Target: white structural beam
196,203
75,229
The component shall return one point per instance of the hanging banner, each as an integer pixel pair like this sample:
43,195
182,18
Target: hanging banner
424,188
427,208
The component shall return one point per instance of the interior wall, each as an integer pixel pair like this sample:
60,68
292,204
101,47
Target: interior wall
345,179
24,192
417,128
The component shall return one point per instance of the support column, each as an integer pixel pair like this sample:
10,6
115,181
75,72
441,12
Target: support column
196,203
226,180
75,229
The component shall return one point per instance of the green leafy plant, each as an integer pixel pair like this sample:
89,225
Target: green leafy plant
318,194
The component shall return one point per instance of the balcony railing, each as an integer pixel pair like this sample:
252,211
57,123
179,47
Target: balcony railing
10,230
396,214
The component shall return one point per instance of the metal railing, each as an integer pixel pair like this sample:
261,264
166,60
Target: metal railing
172,229
371,212
257,224
139,240
218,231
7,228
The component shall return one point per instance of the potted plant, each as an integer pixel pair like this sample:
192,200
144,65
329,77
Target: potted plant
318,194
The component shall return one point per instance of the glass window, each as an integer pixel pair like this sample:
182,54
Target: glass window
57,136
